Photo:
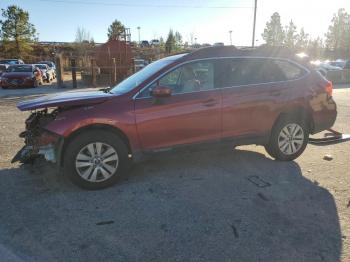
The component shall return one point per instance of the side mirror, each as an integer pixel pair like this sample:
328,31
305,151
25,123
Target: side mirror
161,91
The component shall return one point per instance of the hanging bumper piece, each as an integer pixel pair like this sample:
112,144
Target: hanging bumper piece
333,137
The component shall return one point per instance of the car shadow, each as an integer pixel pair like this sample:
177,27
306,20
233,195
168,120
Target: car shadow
195,206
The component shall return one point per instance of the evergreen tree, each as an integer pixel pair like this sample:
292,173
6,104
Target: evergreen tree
302,40
338,35
273,32
170,42
17,33
116,30
290,37
178,40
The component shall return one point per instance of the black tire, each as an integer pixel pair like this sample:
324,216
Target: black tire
4,87
273,147
36,84
95,136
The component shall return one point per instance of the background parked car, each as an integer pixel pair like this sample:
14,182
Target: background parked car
21,76
51,65
155,42
3,68
339,63
347,65
47,72
12,61
324,67
144,43
139,64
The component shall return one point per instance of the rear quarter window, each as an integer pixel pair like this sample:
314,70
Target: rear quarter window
290,70
248,71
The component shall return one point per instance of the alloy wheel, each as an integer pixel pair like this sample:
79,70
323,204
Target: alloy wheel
97,162
291,139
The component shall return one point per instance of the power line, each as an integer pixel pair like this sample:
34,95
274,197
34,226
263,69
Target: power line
145,5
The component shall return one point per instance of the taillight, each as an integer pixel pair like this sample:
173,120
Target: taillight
329,88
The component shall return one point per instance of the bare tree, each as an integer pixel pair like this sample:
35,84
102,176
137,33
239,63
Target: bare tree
83,36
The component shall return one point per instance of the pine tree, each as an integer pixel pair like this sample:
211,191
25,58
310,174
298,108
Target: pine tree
338,34
273,32
170,42
302,40
290,37
116,30
16,32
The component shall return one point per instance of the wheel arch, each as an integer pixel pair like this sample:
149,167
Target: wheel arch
299,112
88,128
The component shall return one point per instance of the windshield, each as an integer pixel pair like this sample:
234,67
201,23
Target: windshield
50,64
42,66
9,61
134,80
22,68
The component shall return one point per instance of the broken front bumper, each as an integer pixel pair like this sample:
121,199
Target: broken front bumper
28,153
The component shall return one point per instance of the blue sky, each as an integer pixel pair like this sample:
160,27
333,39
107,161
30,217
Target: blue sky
209,21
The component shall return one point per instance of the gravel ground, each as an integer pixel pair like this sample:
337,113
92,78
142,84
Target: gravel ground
212,205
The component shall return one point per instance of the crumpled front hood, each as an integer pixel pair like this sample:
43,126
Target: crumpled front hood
75,98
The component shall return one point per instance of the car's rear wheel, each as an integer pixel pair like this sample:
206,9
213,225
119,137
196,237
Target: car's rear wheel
289,138
96,159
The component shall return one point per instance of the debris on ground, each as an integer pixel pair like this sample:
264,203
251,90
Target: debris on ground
235,231
262,196
328,157
104,222
256,180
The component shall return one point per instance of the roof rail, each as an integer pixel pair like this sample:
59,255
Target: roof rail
229,51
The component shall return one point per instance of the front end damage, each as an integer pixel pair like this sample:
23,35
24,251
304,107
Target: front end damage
39,141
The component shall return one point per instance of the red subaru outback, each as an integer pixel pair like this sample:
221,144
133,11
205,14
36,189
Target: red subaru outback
234,96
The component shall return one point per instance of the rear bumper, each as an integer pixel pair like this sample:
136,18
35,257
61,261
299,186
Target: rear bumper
324,124
27,83
325,118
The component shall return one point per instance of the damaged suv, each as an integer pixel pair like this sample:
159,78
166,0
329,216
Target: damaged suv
262,96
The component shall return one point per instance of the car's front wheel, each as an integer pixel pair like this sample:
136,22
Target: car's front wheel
36,83
96,159
289,138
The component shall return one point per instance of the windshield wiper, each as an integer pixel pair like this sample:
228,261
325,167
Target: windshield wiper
106,90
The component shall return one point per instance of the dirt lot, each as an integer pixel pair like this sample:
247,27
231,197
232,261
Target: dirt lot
213,205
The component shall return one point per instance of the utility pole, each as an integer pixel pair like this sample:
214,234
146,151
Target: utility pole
138,28
255,6
230,32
